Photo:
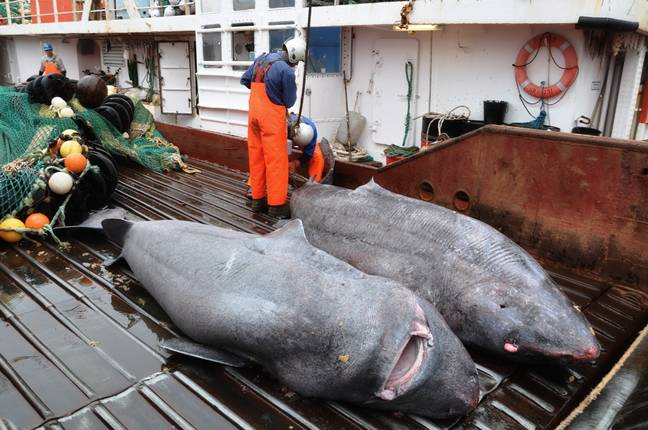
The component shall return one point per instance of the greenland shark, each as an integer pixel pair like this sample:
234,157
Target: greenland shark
322,327
492,294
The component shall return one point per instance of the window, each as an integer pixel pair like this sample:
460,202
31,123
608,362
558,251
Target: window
210,6
282,3
325,51
212,47
242,47
278,37
243,4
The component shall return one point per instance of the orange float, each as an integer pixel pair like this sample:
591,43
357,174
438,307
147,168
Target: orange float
36,221
569,73
75,163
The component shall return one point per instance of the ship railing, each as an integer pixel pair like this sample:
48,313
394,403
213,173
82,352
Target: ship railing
47,11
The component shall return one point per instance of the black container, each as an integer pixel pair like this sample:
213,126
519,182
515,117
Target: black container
586,130
495,111
451,127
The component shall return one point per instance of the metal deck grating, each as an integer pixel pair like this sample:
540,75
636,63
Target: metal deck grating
78,342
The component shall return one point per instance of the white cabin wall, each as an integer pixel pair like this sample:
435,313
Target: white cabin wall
30,53
470,64
363,67
474,63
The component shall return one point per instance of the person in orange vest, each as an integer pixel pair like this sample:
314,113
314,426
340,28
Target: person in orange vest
51,63
271,79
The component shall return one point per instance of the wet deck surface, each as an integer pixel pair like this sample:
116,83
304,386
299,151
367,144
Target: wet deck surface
79,343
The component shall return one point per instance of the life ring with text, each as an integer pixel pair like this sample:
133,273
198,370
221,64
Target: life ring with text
570,70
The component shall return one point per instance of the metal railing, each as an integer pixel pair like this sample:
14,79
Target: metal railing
48,11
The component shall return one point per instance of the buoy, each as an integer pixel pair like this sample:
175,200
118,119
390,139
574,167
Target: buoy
58,103
66,112
75,163
70,134
36,221
91,91
60,183
70,147
11,236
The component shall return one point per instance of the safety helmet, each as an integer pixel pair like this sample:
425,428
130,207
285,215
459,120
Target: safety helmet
303,134
296,49
47,46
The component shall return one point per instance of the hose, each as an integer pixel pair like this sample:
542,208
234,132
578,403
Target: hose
409,74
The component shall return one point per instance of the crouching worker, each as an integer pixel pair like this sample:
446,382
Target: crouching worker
317,157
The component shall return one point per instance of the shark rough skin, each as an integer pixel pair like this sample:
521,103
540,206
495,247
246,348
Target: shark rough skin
491,293
319,325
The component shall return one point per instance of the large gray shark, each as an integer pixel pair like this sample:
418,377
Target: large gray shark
322,327
489,290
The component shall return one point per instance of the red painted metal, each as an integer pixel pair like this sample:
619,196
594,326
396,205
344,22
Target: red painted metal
231,151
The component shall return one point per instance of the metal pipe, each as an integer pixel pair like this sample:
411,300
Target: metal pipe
608,24
8,9
303,89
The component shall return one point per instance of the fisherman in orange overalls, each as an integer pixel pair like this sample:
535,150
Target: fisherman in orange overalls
271,79
51,63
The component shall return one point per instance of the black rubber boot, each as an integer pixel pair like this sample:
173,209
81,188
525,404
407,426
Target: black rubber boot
280,212
248,193
259,205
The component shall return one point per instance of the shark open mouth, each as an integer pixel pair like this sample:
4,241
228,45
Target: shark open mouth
409,360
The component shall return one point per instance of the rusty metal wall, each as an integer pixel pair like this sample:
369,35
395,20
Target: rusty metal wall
577,202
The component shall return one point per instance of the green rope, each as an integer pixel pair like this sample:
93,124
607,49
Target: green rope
400,151
409,74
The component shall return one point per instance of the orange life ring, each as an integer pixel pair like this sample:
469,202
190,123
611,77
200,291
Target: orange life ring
570,70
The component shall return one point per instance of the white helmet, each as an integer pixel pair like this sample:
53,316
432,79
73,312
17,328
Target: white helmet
296,49
303,134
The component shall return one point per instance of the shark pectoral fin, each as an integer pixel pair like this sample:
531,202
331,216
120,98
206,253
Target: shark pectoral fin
93,222
117,261
192,349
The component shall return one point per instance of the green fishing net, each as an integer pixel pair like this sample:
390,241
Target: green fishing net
27,128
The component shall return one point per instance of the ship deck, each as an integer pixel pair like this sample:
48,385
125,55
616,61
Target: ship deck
79,342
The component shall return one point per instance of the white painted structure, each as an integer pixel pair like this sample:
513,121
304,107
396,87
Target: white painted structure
468,60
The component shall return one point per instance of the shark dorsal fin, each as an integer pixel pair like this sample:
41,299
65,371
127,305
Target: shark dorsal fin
292,229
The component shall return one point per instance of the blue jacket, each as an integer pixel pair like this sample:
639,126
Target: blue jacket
279,82
309,149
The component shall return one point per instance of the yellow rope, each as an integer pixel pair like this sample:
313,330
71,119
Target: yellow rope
601,386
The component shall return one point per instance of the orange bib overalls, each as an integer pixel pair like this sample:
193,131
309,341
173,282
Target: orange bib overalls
51,68
267,137
316,165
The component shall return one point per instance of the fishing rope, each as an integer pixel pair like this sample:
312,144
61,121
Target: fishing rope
409,74
442,117
604,382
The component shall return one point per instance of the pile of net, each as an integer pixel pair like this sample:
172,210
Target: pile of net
28,131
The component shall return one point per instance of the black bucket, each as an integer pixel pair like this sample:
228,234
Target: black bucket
586,130
495,111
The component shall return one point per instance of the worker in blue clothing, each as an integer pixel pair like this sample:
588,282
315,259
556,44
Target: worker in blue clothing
271,79
317,157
